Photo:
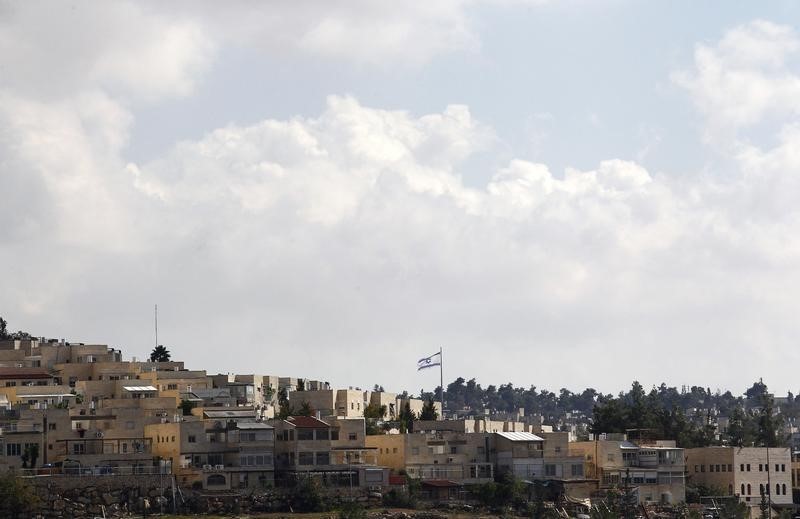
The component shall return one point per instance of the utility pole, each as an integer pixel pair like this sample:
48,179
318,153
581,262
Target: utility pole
769,491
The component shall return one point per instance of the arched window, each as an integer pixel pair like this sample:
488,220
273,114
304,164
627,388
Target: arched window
742,488
777,489
748,489
784,489
761,489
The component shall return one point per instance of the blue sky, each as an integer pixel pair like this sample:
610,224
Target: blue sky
524,183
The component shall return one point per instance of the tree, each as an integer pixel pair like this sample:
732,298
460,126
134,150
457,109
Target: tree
428,410
305,409
4,330
33,453
186,407
406,418
17,497
373,414
284,409
160,354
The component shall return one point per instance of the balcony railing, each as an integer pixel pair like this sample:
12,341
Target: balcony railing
79,471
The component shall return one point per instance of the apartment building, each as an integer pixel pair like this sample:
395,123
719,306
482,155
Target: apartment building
747,472
654,470
219,450
464,458
333,450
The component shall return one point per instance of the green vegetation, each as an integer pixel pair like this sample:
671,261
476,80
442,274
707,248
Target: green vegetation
284,409
17,497
373,417
186,407
307,496
160,354
428,410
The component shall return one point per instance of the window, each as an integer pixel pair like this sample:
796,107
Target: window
192,438
777,489
741,467
697,468
216,480
748,470
783,467
610,457
305,458
761,488
173,438
453,450
334,434
352,436
724,468
730,467
11,384
711,468
305,434
558,449
172,387
394,450
549,469
760,467
783,486
51,426
577,470
323,458
776,467
742,488
748,489
702,468
321,434
78,448
13,449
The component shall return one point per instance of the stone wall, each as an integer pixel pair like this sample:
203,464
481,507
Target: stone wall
90,496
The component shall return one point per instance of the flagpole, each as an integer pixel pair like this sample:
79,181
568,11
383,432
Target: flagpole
441,380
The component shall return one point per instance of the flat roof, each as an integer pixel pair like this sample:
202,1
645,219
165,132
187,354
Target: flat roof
520,436
230,414
253,425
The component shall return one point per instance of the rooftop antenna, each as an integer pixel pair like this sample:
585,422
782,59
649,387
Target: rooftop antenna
156,315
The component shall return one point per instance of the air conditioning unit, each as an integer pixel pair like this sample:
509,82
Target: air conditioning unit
206,467
219,467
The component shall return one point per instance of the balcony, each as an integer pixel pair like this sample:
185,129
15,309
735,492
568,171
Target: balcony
100,446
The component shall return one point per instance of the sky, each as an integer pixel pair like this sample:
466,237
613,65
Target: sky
562,193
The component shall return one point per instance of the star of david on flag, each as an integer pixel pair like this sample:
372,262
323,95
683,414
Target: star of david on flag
429,362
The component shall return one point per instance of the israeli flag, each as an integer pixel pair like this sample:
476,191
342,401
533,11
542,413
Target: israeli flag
429,362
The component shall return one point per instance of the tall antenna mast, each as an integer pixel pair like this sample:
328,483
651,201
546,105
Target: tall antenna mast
156,326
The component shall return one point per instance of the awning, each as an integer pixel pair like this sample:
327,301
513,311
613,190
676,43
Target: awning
139,388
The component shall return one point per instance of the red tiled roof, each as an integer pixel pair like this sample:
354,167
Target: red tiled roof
32,373
307,422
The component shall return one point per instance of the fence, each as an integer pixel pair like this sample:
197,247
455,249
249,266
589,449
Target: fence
92,471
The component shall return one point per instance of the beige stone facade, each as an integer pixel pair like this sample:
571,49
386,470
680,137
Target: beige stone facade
655,470
743,471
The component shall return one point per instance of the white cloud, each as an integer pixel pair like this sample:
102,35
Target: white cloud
744,78
53,50
283,240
